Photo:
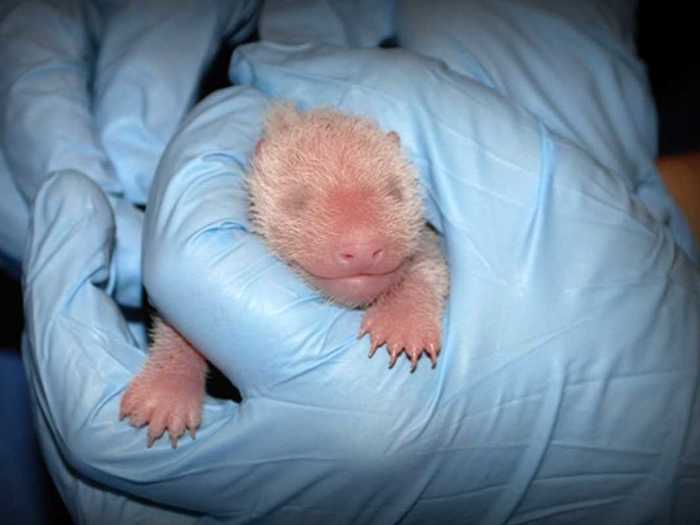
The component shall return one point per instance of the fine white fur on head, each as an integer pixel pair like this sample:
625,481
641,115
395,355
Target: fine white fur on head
304,157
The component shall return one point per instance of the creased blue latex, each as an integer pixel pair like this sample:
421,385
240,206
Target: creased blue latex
100,88
567,389
572,64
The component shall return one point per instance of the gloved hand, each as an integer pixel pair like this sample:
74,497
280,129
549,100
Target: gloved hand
99,88
568,380
572,64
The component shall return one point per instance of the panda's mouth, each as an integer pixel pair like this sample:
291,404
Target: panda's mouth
357,290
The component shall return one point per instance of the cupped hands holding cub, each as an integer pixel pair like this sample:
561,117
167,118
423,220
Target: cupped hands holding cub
334,197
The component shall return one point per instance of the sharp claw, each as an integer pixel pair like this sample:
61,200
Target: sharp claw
173,440
193,433
394,356
376,343
433,353
151,440
372,350
414,360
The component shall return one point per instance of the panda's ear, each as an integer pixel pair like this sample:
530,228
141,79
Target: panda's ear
394,137
282,117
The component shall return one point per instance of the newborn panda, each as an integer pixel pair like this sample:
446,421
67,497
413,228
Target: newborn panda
335,198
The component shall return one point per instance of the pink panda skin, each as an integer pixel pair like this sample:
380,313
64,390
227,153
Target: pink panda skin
334,197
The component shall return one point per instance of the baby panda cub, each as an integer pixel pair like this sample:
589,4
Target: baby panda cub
335,198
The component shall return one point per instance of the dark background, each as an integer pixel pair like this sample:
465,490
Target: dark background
667,43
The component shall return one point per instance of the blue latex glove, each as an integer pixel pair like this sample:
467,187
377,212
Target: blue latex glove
567,387
572,64
100,87
361,23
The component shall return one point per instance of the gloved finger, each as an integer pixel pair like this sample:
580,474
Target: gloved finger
126,258
46,52
356,24
148,73
65,276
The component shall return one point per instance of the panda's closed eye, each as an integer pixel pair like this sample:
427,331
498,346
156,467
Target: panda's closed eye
296,201
396,193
